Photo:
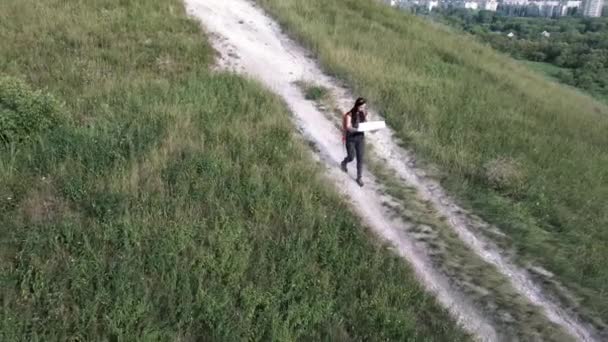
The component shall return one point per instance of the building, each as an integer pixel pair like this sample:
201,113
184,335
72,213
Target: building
393,3
429,5
573,5
525,8
593,8
515,2
540,8
548,8
489,5
570,7
471,5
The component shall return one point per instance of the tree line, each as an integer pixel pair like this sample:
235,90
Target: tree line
577,46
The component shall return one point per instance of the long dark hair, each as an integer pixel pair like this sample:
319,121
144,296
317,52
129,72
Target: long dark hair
358,103
355,113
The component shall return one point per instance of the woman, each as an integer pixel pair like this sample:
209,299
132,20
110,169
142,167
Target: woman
355,140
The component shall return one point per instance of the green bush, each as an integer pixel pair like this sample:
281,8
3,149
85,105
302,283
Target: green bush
506,175
316,93
24,112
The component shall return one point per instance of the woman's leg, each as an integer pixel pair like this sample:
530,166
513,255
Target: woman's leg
360,151
350,153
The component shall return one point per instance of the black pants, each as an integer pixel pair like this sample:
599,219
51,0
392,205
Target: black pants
355,146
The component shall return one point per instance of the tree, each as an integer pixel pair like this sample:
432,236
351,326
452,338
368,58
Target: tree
579,45
565,76
485,17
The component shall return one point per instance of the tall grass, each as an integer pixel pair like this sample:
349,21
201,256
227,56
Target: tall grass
154,209
469,110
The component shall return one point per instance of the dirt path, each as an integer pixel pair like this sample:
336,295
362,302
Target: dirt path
251,43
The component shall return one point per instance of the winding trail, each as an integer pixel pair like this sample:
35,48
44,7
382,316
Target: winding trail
253,44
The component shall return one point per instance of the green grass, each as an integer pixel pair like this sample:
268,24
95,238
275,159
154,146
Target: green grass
314,92
553,71
547,69
511,315
153,209
466,109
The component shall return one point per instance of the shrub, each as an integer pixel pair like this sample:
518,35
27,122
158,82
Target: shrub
315,93
24,112
505,174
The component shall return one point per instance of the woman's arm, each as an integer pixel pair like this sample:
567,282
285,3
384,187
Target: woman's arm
349,126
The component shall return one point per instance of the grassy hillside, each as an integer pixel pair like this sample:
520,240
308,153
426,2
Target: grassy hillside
553,73
577,47
527,154
547,69
139,198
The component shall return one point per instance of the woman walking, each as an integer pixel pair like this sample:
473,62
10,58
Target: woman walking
355,140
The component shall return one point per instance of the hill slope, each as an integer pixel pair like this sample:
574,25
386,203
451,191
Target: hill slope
526,154
148,206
